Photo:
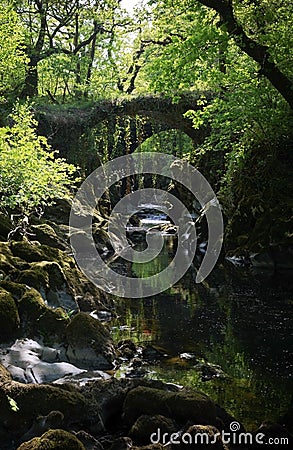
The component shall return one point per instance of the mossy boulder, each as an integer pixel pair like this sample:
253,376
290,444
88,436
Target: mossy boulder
200,437
46,235
35,400
52,324
56,277
38,319
7,263
35,277
53,440
90,345
145,426
17,290
4,374
27,251
181,406
9,318
31,306
6,267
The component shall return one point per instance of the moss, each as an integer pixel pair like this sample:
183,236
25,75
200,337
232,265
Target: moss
9,318
35,277
52,324
145,426
53,440
39,400
5,265
17,290
31,305
4,374
27,251
55,277
86,331
38,319
46,235
182,406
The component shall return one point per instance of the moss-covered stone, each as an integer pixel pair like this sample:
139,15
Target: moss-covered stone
200,437
35,277
9,318
27,251
145,426
53,440
46,235
4,374
55,277
39,400
17,290
181,406
52,324
31,305
38,319
84,329
7,265
90,343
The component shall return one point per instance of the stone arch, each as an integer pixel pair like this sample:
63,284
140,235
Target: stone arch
64,126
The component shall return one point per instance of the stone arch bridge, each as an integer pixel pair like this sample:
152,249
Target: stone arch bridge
66,126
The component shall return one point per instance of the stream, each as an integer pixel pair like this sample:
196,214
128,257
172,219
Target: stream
229,336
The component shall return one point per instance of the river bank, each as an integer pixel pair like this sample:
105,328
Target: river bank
98,368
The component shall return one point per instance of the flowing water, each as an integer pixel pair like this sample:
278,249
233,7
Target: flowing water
229,336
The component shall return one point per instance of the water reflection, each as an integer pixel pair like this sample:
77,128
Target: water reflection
237,319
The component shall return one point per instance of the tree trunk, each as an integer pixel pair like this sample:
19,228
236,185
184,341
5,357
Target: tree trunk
259,53
30,88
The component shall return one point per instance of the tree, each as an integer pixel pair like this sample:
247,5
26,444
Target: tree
64,27
12,57
253,46
30,175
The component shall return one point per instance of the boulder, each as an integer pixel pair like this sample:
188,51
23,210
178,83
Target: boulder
28,251
107,397
145,426
31,362
90,345
44,423
53,273
4,374
34,400
38,319
88,441
53,440
9,318
199,436
46,235
181,406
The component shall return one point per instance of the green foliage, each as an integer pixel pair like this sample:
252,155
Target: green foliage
173,142
12,57
30,175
